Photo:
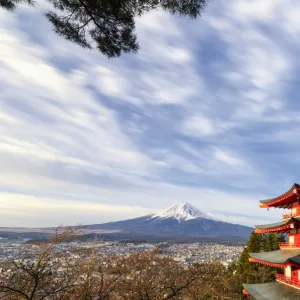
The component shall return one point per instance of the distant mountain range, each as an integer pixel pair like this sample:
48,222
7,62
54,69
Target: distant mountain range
181,221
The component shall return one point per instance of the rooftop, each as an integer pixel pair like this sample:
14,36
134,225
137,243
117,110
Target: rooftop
273,290
283,201
282,256
278,224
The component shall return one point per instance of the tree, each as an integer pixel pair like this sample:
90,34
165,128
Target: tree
272,241
107,24
99,278
250,272
255,244
51,271
33,278
148,276
214,282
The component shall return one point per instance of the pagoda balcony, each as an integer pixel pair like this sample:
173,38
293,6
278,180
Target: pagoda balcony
294,281
291,215
289,245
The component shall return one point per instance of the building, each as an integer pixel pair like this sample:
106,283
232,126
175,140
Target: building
287,285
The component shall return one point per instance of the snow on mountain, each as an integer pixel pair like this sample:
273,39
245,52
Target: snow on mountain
182,212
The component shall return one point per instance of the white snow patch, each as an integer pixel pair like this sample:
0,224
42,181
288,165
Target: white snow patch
182,212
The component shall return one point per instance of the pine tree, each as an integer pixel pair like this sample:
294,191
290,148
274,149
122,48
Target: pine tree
108,25
244,267
255,242
254,272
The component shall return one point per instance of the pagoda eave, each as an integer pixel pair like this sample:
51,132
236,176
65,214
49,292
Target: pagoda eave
285,200
276,265
273,290
270,230
285,203
278,258
278,229
286,225
245,292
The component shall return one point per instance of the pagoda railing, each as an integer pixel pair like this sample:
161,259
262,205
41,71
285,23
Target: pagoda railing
292,214
289,245
289,280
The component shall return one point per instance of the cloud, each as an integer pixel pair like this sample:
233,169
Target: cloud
46,96
206,111
246,11
258,66
17,210
228,158
200,125
52,210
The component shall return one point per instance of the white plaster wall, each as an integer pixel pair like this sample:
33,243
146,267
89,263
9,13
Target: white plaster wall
288,271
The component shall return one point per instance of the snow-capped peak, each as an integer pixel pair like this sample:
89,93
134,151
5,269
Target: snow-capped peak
181,211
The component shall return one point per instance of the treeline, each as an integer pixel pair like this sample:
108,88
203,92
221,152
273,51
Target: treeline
53,275
250,272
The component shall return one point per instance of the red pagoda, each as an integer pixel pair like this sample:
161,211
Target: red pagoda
287,285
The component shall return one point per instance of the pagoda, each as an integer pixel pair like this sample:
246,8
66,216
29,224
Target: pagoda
287,285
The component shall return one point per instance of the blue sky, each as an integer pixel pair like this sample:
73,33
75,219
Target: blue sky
205,112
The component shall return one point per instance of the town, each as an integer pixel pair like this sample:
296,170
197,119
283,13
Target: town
186,253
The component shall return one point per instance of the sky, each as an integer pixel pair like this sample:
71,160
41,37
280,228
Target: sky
205,112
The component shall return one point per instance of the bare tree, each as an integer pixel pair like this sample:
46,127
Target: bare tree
148,276
54,275
38,278
99,278
213,282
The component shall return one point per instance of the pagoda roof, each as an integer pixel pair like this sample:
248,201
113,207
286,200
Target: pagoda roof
278,224
282,256
273,290
285,200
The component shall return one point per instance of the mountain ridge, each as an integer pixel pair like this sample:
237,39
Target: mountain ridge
179,221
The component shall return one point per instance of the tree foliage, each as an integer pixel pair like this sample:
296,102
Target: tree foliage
109,25
254,272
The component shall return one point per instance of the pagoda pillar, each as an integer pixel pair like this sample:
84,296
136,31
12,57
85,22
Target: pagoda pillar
288,271
294,211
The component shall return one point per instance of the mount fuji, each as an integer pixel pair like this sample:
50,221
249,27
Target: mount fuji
181,212
181,221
